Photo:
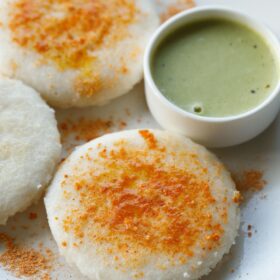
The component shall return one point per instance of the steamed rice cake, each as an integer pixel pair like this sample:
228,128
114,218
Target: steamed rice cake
75,52
143,204
29,147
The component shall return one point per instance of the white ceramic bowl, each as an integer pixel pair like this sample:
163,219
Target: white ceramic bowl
209,131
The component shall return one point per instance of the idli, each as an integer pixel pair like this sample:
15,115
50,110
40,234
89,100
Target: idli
143,204
29,147
75,52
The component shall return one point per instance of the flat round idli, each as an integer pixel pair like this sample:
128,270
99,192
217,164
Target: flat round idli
75,52
143,204
29,147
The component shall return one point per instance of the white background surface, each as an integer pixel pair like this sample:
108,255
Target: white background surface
255,258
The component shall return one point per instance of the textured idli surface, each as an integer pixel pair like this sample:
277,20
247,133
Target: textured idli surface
75,52
29,147
143,204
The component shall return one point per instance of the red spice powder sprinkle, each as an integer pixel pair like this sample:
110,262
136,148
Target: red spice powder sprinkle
249,230
80,27
149,138
249,180
237,198
84,129
46,277
139,207
177,7
32,216
24,262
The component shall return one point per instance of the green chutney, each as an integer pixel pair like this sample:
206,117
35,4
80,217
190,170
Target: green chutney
215,67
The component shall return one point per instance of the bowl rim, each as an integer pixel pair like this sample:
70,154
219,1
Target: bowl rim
252,22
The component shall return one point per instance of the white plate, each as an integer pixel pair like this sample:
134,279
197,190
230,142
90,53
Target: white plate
255,258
